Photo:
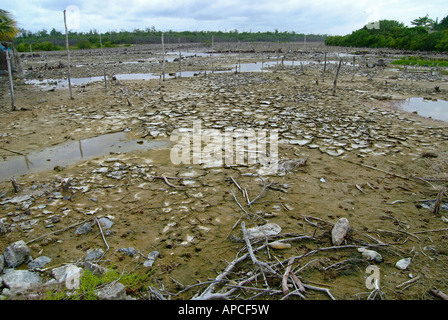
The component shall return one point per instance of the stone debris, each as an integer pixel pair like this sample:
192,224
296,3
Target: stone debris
83,229
268,229
115,292
38,263
94,254
67,273
151,259
19,281
339,231
403,264
16,254
370,255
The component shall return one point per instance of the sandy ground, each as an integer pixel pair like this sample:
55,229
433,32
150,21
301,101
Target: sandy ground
369,162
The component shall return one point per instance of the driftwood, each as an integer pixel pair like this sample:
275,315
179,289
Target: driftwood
439,294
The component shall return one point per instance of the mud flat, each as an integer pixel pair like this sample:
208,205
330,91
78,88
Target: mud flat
353,154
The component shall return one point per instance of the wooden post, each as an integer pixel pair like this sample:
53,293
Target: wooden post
68,56
325,66
239,56
11,86
180,62
262,61
336,77
104,64
354,69
163,62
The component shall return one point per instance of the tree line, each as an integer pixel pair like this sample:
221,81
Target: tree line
55,40
425,34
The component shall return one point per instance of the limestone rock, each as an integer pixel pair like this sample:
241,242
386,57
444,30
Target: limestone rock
339,231
267,229
16,254
38,263
85,228
403,264
19,281
94,254
115,292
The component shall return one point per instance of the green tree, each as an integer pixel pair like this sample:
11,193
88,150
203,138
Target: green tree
424,22
8,26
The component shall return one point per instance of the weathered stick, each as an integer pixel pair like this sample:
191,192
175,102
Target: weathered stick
408,282
261,264
68,57
12,151
104,64
257,197
325,66
336,77
439,294
180,62
11,86
163,62
102,234
15,185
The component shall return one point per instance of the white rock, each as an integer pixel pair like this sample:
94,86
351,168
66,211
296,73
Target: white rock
339,231
403,264
267,229
370,254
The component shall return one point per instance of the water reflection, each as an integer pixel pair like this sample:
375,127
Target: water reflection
72,152
435,109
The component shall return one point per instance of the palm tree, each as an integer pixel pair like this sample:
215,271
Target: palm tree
8,26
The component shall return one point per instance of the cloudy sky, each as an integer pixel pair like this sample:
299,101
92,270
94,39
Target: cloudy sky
302,16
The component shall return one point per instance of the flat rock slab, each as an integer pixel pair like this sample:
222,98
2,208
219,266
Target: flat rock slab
20,280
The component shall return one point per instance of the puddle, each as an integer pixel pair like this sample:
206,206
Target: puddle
48,84
74,151
437,110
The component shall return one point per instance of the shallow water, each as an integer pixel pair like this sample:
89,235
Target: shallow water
437,110
63,83
74,151
48,84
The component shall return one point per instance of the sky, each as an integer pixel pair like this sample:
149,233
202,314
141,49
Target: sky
301,16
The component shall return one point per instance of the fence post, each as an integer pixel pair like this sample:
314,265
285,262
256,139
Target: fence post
68,56
11,86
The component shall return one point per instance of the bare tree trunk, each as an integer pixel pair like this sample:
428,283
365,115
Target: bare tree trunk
163,62
104,64
336,77
180,62
68,56
325,66
11,86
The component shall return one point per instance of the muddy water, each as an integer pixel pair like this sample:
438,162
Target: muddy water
435,109
72,152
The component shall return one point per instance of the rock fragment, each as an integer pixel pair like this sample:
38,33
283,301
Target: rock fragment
16,254
403,264
339,231
115,292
